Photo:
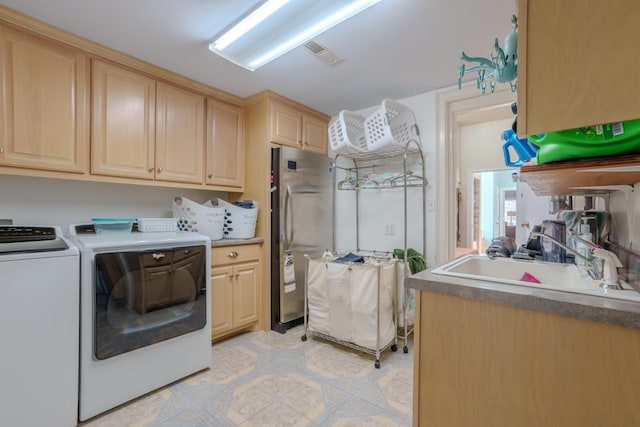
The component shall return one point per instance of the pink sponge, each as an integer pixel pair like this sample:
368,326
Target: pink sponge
527,277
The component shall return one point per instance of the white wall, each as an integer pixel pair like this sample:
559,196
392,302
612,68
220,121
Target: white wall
481,147
40,201
624,205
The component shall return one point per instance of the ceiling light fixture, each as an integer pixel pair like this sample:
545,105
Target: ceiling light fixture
278,26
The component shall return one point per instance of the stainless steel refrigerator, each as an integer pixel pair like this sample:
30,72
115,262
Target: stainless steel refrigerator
301,223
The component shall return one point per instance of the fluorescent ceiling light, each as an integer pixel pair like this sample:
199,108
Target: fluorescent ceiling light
256,17
277,26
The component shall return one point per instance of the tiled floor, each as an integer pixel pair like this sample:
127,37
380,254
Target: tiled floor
269,379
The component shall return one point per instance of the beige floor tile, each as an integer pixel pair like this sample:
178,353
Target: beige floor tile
277,415
249,384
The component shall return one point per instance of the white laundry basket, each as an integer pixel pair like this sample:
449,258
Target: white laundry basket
239,222
346,133
207,218
390,127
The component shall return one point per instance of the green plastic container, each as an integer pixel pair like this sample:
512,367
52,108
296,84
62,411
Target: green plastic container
591,141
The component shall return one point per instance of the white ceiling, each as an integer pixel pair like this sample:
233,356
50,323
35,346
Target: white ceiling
395,49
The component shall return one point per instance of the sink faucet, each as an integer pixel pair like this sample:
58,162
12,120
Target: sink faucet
610,270
609,273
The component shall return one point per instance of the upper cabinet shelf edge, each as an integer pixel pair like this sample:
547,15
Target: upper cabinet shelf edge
578,176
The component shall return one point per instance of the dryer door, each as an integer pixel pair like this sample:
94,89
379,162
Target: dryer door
142,298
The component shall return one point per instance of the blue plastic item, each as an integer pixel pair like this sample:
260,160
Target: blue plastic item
521,147
113,225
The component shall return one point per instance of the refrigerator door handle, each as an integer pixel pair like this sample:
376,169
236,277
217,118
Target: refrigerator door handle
288,214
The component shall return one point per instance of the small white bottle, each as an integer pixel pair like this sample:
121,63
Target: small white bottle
584,234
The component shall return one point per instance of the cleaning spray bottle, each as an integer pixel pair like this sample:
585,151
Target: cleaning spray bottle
585,234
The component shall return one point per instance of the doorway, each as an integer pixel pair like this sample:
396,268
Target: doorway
493,208
456,108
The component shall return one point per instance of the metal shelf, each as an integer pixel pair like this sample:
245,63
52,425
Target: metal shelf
399,157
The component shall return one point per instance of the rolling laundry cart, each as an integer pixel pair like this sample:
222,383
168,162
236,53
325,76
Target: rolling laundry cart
351,303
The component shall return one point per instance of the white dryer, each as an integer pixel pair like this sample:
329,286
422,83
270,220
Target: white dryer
144,312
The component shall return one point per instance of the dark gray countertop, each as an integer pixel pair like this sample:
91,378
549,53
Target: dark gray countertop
233,242
596,308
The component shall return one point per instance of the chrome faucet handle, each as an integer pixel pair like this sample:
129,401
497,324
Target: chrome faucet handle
610,269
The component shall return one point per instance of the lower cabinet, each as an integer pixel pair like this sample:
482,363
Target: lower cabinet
235,289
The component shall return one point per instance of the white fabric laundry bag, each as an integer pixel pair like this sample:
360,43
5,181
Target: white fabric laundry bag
339,292
364,304
318,296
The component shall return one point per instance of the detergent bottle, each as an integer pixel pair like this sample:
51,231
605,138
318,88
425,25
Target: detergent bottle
585,234
590,141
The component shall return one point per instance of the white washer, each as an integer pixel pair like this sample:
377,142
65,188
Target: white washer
39,281
142,325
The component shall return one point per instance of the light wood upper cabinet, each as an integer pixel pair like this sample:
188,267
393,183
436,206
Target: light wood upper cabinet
44,120
576,62
315,134
71,108
145,129
225,145
286,125
179,134
295,128
123,122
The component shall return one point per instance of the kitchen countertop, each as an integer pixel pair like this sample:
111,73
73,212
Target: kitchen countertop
581,306
234,242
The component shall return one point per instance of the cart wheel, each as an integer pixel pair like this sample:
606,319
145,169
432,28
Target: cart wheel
405,349
394,348
304,338
377,364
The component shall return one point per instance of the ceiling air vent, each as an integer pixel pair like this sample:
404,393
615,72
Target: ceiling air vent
323,53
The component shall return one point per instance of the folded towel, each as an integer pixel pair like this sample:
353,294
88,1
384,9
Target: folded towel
414,258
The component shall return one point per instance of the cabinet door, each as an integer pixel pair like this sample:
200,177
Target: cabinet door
246,279
221,318
315,135
286,125
225,144
179,134
43,113
123,122
575,62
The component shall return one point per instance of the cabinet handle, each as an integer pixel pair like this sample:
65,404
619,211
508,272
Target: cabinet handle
210,175
1,150
151,169
232,254
237,274
305,143
159,170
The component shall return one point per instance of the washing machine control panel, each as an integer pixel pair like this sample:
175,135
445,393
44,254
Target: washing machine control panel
12,233
24,239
